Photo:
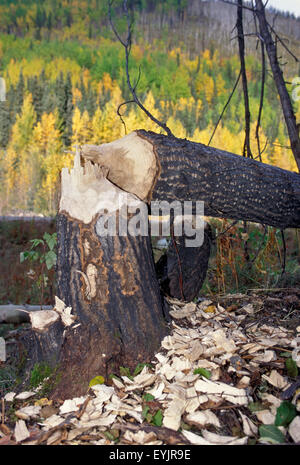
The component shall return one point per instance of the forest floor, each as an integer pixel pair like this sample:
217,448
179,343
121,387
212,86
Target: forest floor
226,374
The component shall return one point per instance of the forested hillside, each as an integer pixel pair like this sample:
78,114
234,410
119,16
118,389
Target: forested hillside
65,78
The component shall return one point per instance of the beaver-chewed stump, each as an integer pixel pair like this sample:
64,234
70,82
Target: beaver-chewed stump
105,266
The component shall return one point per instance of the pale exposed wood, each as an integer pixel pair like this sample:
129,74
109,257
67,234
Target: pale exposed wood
15,313
131,162
86,192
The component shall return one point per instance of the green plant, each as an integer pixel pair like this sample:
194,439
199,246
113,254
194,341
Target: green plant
43,252
39,372
43,378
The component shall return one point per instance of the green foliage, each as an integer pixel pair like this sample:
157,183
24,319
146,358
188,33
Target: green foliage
48,257
39,373
285,413
202,372
148,397
271,434
43,252
291,367
96,380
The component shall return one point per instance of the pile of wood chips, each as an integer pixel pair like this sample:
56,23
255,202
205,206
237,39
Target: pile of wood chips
219,376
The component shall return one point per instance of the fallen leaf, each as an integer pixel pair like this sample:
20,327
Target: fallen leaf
270,433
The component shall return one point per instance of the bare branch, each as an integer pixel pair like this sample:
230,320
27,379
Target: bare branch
127,46
235,4
239,24
225,106
285,99
262,89
282,42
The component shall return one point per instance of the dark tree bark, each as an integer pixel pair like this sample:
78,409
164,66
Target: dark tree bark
111,285
230,186
285,100
182,270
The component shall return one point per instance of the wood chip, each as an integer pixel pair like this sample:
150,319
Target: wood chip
172,415
218,439
21,432
9,397
30,411
294,429
195,438
230,393
25,395
203,418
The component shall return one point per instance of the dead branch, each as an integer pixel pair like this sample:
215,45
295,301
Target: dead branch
241,41
127,47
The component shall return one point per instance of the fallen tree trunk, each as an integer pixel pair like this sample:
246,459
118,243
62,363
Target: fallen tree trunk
159,167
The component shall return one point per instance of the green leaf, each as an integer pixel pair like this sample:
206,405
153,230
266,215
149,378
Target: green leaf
291,367
140,367
285,354
96,380
124,371
148,397
50,259
271,434
202,372
256,406
145,411
157,418
50,240
32,255
286,412
36,242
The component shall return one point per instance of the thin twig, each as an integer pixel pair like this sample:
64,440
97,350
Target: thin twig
234,4
262,88
127,46
283,265
239,24
282,42
119,114
225,106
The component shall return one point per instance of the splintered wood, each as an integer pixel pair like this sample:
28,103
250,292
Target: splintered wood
207,368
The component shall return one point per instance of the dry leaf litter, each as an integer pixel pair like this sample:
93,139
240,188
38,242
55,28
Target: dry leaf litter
243,385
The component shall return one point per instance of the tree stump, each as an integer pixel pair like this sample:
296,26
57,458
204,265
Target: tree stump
106,274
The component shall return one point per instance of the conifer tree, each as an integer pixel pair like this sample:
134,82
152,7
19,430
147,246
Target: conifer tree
4,124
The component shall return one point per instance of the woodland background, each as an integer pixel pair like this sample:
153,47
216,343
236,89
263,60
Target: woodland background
65,78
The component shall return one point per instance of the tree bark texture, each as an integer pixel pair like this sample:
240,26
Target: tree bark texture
182,270
230,186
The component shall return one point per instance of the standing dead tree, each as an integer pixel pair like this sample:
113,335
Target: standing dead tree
266,33
240,30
